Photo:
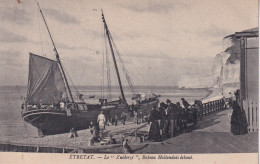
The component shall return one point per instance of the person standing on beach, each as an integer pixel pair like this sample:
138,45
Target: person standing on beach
95,135
167,121
238,119
180,118
163,117
101,120
154,131
173,116
185,103
123,118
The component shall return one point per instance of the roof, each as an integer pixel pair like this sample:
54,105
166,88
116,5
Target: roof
253,32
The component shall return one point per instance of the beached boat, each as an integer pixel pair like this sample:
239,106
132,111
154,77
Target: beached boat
50,106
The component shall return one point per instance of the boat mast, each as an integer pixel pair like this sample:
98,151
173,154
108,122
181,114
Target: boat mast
113,55
57,55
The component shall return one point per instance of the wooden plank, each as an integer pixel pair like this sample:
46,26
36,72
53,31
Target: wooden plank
251,110
257,119
250,115
255,116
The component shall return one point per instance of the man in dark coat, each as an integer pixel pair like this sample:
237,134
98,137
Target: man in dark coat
162,117
185,103
173,115
181,113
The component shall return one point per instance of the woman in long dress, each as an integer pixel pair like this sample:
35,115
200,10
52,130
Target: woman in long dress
154,131
238,119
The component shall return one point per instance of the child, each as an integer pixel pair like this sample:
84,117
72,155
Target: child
127,149
91,127
73,133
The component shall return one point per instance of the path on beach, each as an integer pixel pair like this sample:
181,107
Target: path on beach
212,135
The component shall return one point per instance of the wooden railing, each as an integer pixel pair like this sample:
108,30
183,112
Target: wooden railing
211,107
22,147
205,109
251,111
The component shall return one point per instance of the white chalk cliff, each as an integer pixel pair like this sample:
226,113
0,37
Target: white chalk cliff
226,69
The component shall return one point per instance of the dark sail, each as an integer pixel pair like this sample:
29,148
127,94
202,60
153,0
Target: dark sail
45,83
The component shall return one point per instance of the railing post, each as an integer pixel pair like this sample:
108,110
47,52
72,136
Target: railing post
203,107
208,107
212,107
201,111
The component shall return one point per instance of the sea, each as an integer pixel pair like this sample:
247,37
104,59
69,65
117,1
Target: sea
11,99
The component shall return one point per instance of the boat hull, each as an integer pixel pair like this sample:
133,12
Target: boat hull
55,121
52,121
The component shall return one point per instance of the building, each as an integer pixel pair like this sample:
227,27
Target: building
249,75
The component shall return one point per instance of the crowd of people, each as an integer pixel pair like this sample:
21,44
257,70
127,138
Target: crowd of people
169,119
166,120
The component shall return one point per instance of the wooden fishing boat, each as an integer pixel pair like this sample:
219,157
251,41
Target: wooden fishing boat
50,105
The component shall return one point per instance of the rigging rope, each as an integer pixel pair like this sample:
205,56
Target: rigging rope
91,45
129,80
103,76
65,71
108,68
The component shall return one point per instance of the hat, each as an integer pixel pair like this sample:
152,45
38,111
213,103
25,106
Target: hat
168,101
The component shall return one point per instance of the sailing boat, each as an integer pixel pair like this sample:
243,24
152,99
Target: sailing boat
50,106
143,105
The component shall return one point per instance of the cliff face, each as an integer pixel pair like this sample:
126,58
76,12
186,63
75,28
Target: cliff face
226,69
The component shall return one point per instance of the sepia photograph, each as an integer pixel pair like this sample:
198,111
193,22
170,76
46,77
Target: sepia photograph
129,79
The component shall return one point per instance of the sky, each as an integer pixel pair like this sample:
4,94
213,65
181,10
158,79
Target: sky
159,41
